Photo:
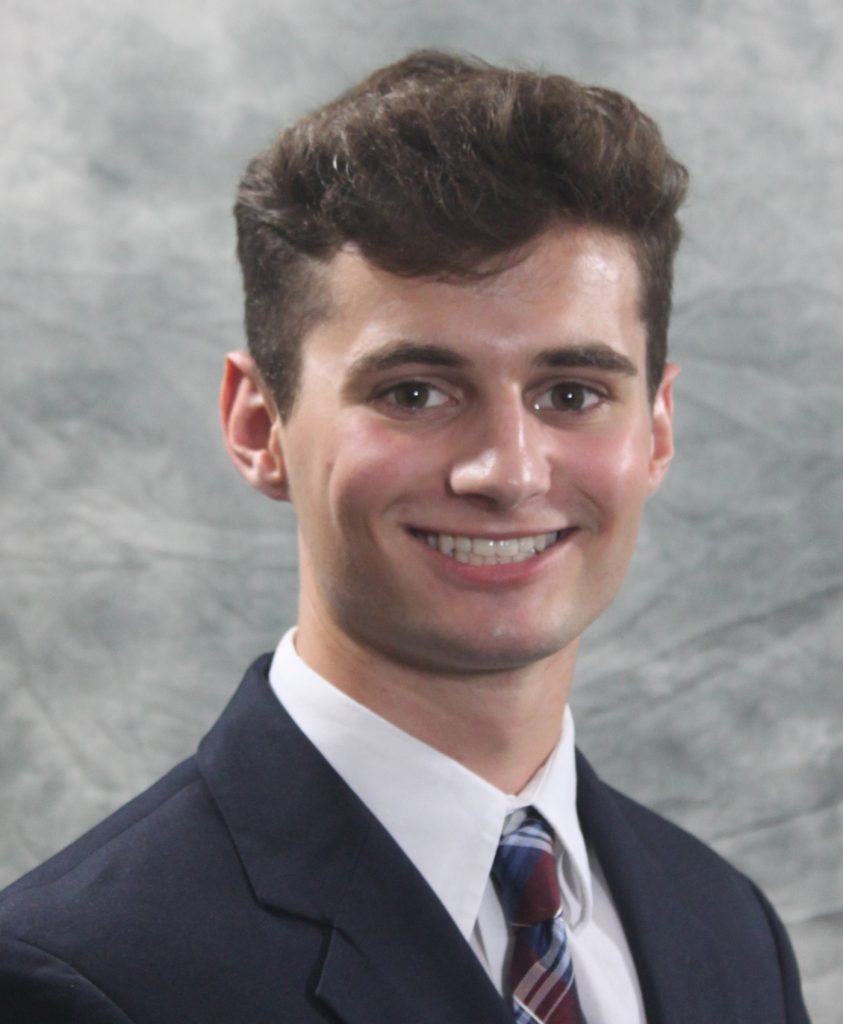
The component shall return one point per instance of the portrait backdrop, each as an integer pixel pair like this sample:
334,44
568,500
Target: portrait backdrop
140,575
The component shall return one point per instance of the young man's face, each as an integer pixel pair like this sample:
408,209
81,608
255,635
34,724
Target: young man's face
469,461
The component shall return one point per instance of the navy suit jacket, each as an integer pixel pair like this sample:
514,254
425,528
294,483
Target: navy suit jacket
252,886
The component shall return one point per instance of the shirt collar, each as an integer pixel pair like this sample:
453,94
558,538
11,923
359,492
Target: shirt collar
445,818
553,793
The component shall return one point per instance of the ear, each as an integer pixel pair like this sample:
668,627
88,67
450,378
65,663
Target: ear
661,438
251,427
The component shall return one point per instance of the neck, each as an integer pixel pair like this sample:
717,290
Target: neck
500,725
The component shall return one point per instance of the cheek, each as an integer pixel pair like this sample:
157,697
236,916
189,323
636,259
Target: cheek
373,468
613,469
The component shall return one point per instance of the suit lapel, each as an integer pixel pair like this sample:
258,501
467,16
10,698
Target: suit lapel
312,849
396,954
393,952
676,956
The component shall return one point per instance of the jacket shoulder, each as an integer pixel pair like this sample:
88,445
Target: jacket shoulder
693,866
106,834
103,882
612,819
52,916
38,986
650,862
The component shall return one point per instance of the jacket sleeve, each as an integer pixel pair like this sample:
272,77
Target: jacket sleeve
795,1008
36,986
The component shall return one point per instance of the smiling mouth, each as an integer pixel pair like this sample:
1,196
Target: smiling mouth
490,550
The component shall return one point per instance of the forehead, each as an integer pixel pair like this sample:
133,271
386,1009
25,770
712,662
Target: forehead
577,283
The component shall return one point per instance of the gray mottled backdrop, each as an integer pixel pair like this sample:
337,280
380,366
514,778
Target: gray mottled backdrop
139,575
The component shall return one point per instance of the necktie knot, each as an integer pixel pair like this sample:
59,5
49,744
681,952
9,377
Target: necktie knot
525,873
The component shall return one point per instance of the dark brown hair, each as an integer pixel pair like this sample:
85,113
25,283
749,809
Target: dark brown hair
431,167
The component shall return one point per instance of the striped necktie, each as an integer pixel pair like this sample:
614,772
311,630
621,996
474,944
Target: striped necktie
542,972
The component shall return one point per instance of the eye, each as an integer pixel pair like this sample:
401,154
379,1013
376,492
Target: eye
414,394
568,396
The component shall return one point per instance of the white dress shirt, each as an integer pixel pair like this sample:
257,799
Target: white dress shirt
448,821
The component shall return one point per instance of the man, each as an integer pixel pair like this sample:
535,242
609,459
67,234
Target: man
457,295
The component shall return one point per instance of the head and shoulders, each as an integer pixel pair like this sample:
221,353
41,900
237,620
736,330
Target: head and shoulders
458,283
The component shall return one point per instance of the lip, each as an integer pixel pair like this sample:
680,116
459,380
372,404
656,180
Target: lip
503,574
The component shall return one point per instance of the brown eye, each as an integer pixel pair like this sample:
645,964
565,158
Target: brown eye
569,396
415,394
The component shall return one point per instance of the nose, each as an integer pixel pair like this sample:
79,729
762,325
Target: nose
504,458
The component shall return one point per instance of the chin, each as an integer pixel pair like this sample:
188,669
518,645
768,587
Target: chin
499,650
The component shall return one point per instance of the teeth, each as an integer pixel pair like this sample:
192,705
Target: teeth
486,551
484,547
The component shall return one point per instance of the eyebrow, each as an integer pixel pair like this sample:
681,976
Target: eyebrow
596,355
392,355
